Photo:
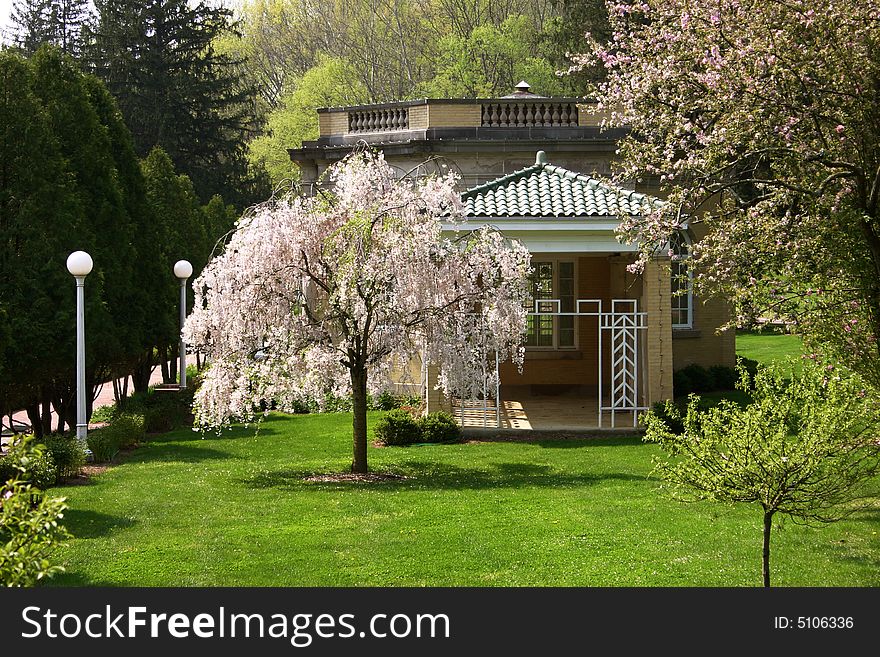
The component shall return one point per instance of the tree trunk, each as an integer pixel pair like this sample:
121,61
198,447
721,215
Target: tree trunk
46,411
172,365
768,523
359,422
163,359
141,375
33,413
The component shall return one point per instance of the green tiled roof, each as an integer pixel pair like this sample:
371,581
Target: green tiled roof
545,190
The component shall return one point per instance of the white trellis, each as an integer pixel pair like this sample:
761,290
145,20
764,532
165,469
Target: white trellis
622,328
625,326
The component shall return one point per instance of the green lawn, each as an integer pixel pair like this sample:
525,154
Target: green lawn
770,346
234,510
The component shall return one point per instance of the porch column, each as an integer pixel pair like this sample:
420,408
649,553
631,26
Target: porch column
434,399
656,302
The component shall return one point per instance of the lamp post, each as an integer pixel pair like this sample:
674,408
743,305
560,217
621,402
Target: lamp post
183,270
79,263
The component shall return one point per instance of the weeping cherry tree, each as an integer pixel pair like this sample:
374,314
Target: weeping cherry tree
339,292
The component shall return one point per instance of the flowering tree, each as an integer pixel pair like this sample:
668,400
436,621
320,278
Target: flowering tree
334,293
759,117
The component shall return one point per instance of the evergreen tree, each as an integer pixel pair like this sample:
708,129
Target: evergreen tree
38,213
31,23
174,89
104,230
56,22
179,230
68,20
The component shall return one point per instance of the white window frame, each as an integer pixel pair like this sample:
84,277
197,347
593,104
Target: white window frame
675,274
557,303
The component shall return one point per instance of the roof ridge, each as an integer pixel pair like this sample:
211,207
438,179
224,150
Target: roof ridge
533,168
596,182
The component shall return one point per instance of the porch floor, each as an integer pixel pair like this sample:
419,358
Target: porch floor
523,409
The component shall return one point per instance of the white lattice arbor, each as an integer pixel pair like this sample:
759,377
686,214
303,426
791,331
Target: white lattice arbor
621,388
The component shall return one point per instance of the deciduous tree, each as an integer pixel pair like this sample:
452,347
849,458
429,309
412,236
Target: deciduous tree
323,294
760,119
803,448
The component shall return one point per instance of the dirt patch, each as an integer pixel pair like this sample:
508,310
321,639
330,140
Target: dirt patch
370,477
85,475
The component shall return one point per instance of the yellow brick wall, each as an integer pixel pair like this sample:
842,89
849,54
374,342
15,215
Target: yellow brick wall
588,115
435,401
418,117
704,345
332,123
453,116
656,292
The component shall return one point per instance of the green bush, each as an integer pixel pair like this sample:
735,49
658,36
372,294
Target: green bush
701,380
725,378
670,415
103,444
439,427
30,526
67,453
128,429
397,427
384,401
696,378
681,384
30,463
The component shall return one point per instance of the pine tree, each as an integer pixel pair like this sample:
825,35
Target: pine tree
56,22
174,90
68,20
31,23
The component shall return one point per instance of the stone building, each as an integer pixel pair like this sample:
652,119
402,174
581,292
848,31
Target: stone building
602,342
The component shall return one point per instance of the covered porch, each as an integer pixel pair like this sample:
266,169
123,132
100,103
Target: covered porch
599,342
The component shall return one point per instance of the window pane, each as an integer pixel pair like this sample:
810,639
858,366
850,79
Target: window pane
566,331
682,295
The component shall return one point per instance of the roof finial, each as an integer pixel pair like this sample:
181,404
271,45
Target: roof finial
541,157
523,87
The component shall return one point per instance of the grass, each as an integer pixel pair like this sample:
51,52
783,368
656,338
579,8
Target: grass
235,511
770,346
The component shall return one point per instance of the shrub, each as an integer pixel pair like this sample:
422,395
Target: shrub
701,380
397,427
103,444
681,384
103,413
384,401
129,429
29,463
67,453
439,427
29,521
724,378
670,415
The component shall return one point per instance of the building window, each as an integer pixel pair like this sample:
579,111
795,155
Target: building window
552,282
682,282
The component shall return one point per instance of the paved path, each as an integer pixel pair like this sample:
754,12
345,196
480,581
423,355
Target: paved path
105,397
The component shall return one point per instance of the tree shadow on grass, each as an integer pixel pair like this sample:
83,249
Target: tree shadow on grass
434,476
189,435
179,453
93,524
574,443
71,579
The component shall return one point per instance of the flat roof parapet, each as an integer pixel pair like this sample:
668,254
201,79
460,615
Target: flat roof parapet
426,114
